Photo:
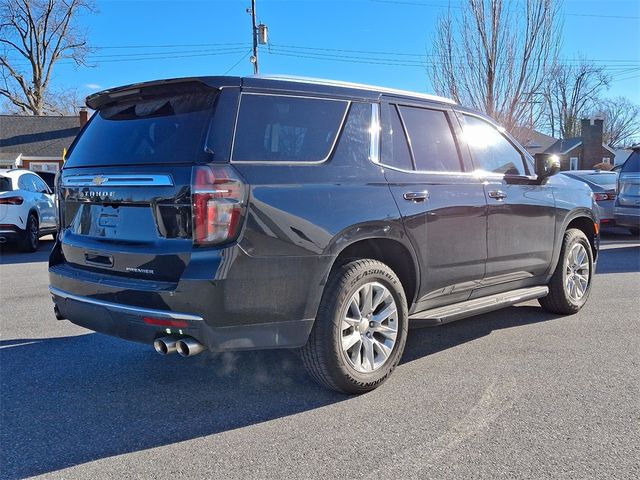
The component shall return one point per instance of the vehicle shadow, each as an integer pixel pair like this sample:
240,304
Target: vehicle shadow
72,400
429,340
619,260
11,254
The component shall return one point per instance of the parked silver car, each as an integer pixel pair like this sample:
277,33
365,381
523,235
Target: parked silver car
627,205
603,185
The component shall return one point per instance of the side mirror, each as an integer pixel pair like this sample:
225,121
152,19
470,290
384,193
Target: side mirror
547,165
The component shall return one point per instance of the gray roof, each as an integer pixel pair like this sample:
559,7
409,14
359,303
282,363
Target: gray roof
565,145
41,136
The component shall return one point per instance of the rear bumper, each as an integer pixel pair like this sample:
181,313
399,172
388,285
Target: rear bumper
627,216
10,233
128,322
225,299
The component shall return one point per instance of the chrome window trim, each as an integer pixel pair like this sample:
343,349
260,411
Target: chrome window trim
289,162
119,180
125,308
374,134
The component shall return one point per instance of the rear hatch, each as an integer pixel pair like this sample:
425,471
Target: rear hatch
125,190
629,182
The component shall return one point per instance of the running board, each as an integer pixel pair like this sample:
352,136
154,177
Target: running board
477,306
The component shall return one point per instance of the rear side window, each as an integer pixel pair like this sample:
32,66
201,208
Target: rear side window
159,130
25,182
287,129
5,184
491,151
395,150
431,138
632,164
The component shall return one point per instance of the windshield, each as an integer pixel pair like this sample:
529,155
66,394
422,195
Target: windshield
160,130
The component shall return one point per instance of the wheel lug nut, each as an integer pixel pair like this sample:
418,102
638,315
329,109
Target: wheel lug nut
371,324
369,334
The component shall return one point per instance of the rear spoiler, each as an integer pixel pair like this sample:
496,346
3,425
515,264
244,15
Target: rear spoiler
158,87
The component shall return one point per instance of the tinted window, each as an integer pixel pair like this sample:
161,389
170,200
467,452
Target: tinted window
632,164
432,142
289,129
160,130
5,184
395,150
490,149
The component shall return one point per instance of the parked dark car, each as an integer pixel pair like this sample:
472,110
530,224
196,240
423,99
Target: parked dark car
229,213
627,205
603,185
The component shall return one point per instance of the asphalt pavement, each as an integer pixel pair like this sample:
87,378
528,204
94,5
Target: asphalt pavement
518,393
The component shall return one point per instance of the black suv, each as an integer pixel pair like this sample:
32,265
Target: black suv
230,213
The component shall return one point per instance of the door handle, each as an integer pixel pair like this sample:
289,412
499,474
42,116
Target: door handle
497,194
416,196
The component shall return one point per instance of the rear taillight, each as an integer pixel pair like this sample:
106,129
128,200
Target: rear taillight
11,200
601,197
218,198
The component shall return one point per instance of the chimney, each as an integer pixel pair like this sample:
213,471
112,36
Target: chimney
84,116
591,133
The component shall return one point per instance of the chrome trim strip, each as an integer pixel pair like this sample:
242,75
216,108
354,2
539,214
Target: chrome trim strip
118,180
289,162
374,132
337,83
126,308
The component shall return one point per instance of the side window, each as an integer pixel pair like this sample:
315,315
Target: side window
395,150
431,139
287,129
25,183
39,184
491,151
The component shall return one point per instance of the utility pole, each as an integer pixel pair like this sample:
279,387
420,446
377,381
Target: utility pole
254,58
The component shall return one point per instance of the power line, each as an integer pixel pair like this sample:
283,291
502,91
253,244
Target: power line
237,63
565,14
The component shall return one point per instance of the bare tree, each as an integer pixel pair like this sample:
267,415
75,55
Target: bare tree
34,35
571,92
621,121
494,56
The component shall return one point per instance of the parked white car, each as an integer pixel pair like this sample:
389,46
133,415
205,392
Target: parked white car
27,209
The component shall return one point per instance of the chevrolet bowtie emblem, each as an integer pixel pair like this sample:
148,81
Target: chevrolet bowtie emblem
99,180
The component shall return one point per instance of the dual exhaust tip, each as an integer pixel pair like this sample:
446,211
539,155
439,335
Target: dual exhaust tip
186,347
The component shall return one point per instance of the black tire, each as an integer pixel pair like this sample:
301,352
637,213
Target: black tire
323,355
560,299
31,238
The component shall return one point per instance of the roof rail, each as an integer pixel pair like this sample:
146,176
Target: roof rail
337,83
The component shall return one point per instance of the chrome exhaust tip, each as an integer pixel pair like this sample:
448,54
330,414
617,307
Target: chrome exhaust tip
165,345
188,347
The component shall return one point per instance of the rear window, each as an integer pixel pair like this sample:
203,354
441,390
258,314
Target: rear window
159,130
632,164
5,184
287,129
607,180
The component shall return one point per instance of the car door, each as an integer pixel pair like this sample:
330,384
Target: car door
442,204
44,200
521,214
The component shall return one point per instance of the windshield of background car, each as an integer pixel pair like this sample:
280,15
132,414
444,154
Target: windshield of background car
632,164
158,130
5,184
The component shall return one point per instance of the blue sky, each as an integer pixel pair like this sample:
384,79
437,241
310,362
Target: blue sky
148,39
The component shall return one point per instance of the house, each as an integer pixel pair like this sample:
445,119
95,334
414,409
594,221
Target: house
585,151
37,142
532,140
